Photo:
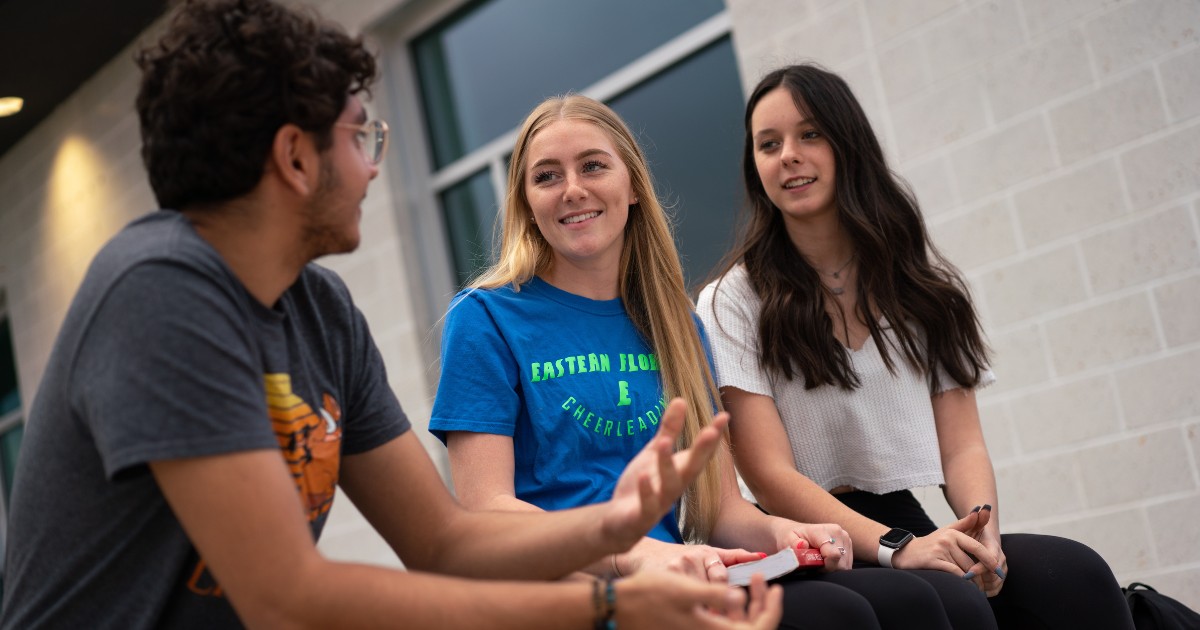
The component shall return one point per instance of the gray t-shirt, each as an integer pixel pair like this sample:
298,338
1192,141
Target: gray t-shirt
165,355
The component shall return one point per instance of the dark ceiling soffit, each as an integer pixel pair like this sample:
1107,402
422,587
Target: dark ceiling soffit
49,48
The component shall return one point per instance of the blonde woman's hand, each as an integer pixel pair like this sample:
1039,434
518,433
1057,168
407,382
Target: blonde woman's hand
701,562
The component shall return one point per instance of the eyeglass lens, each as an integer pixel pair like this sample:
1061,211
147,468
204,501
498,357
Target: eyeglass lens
376,141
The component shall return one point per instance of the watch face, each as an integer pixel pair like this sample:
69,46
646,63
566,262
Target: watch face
896,538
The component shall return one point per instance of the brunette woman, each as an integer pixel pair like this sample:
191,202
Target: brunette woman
848,354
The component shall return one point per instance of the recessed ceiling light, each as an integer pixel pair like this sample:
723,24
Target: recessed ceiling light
10,105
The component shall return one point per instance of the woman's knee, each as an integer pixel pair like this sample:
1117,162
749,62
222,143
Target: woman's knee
1054,559
900,599
965,605
817,603
1047,574
1050,549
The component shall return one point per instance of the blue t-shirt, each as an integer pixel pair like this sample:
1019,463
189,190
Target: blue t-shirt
567,377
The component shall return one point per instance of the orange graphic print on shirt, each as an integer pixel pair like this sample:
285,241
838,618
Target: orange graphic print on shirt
310,441
311,444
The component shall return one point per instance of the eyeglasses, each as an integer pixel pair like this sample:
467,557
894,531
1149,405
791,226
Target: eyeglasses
372,138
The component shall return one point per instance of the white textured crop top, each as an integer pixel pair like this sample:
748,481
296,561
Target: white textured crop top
879,438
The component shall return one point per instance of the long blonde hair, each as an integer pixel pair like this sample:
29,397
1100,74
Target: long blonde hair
651,284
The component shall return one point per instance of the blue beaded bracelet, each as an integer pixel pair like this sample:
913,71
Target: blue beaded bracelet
605,605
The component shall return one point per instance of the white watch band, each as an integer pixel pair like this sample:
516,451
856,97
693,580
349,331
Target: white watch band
885,556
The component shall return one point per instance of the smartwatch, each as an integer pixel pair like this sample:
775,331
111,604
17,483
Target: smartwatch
890,543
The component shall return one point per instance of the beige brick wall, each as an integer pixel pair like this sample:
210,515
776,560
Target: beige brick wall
1055,146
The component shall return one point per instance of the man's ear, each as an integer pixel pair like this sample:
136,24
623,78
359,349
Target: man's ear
294,159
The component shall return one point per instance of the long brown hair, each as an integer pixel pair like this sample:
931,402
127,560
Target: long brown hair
651,283
901,275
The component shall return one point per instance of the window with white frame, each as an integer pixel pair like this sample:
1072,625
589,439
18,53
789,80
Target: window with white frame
466,74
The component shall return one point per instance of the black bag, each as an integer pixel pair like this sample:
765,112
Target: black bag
1154,611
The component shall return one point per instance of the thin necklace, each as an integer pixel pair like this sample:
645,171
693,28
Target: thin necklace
838,274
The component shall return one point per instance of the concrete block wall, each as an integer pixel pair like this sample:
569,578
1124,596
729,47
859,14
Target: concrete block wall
1055,147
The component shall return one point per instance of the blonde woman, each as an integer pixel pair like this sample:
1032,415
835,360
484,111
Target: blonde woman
558,362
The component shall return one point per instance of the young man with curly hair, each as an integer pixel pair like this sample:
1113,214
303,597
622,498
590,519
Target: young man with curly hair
210,388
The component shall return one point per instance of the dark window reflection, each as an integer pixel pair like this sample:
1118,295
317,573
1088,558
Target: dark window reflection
689,122
486,66
469,208
10,395
10,446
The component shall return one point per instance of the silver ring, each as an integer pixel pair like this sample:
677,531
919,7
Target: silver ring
842,550
710,565
832,541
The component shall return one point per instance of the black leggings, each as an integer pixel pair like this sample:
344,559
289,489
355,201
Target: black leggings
876,598
1052,582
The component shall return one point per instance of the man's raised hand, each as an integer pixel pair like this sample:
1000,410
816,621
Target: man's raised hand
657,476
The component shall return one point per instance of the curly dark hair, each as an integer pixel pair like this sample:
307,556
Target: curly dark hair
900,273
222,81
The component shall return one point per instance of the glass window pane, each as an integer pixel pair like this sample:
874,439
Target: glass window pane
485,67
469,209
10,445
689,122
10,395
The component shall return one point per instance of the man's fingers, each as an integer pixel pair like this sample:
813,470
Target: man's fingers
733,610
766,605
671,422
676,470
646,494
665,460
662,488
713,596
692,460
720,421
758,595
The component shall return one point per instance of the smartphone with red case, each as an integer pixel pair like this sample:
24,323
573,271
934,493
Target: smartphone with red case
809,559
